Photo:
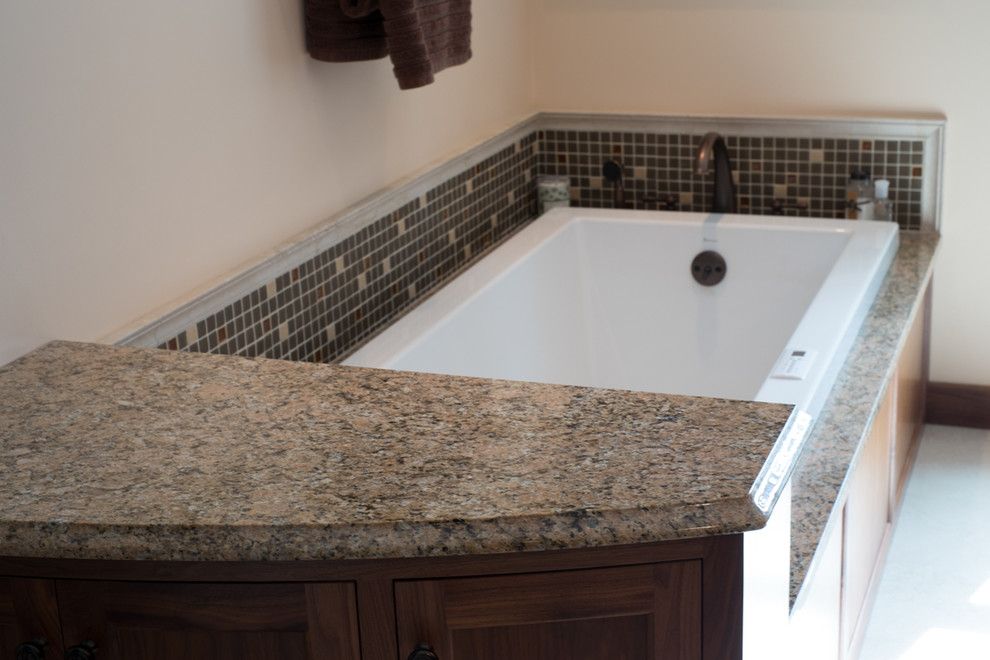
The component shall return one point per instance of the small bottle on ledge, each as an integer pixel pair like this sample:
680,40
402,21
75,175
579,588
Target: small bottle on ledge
859,195
883,208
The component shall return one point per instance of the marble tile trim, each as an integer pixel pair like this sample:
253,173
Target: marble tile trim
124,453
832,448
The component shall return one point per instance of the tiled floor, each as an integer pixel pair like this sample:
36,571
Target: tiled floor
934,597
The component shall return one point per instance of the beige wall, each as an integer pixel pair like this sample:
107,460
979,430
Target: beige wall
149,147
811,58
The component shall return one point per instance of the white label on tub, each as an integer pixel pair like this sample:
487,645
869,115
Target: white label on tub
795,364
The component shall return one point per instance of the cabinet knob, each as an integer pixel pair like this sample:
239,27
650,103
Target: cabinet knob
84,651
423,652
33,650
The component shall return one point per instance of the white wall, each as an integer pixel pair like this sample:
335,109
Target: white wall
149,147
806,58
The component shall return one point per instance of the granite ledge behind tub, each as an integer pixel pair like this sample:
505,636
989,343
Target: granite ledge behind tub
113,453
833,446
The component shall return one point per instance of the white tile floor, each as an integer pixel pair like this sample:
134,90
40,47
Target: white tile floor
933,601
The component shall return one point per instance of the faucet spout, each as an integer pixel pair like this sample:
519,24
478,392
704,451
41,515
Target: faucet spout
613,172
713,151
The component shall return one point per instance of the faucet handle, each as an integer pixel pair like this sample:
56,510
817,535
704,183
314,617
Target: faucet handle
778,206
668,202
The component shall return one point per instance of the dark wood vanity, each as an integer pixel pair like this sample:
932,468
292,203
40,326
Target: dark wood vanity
673,600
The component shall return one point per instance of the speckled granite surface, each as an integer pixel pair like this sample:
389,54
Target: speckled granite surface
114,453
834,443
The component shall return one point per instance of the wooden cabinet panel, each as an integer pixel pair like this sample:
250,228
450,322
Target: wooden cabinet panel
28,613
866,518
637,602
911,380
11,633
164,621
631,612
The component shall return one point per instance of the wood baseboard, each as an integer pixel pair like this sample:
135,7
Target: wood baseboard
951,404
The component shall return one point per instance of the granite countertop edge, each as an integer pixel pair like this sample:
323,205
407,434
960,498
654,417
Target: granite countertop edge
400,540
821,473
141,454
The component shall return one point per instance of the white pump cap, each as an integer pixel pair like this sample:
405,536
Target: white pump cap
881,188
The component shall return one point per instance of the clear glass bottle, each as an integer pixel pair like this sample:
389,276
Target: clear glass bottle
859,195
883,207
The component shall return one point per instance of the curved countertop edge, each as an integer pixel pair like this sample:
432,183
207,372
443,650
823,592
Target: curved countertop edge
120,453
218,543
820,475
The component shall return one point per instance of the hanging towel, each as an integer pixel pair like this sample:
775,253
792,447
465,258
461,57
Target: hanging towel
423,37
358,8
334,37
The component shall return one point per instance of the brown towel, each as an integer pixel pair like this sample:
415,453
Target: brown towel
422,37
358,8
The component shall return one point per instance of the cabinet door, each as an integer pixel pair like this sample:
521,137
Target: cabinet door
29,617
866,520
626,613
911,380
168,621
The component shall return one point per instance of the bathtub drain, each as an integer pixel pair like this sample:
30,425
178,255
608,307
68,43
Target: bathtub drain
708,268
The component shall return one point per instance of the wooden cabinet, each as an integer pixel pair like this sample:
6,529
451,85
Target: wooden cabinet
29,618
676,600
876,485
166,621
911,383
836,604
630,612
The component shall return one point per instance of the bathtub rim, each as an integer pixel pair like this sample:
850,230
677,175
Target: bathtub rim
413,328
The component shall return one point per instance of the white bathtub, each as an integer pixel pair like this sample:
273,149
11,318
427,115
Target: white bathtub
606,298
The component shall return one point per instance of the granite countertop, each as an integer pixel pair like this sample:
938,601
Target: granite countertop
832,447
121,453
116,453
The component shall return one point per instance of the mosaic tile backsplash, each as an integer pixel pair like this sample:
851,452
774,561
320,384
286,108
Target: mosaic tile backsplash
324,308
805,176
